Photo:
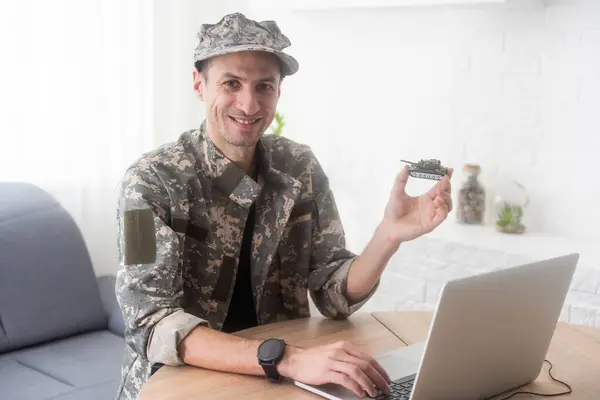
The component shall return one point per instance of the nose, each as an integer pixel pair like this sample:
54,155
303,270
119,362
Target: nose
248,102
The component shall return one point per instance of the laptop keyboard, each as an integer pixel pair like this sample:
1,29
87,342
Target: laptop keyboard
400,389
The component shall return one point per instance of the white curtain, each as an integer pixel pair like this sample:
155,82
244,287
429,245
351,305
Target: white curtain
76,99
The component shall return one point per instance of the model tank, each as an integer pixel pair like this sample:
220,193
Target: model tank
427,169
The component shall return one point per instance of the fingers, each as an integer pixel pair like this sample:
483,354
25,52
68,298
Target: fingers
401,181
354,351
442,186
355,373
363,372
364,356
442,190
447,199
344,380
363,366
441,211
445,184
440,203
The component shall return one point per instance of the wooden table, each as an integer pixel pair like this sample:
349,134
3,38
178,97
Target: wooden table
574,352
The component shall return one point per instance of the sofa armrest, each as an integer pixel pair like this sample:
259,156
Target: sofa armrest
106,284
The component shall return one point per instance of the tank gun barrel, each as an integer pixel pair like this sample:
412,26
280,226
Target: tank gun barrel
408,162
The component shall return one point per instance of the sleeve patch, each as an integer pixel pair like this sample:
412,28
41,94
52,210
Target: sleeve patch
140,237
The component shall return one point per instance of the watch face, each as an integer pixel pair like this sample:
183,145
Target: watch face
271,349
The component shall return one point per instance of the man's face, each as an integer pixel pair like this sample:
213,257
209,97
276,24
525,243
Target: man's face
240,92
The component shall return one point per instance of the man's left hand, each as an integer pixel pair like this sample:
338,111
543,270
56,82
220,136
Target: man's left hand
407,217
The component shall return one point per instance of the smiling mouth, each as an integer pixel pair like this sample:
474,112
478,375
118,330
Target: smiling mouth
245,121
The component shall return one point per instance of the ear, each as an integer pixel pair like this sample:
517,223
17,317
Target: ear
198,85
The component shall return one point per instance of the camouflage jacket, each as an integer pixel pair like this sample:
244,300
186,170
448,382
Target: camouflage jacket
182,212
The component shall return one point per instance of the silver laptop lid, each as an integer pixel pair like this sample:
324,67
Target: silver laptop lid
491,332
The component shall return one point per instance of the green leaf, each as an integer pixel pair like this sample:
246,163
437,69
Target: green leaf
510,214
279,124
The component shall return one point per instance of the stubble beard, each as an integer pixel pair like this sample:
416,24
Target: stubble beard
240,140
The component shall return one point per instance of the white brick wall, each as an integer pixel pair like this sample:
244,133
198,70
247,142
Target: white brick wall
417,272
515,88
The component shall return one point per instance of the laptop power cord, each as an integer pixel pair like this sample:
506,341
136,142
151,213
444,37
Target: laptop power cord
570,390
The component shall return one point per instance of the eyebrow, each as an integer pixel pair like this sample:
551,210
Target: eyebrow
230,75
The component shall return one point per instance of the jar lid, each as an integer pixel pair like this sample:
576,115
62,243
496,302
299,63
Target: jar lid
471,166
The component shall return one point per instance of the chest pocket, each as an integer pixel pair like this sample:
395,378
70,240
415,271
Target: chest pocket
296,249
203,265
294,257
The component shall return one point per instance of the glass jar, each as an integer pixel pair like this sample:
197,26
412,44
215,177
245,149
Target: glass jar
471,197
510,203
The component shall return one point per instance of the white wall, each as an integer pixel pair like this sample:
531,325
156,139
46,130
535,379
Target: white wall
177,22
512,87
73,105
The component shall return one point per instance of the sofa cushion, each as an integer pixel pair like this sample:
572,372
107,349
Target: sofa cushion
105,391
48,289
82,367
23,383
106,285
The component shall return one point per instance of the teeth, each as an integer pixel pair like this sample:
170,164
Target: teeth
245,122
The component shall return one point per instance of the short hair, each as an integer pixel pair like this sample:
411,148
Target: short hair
202,67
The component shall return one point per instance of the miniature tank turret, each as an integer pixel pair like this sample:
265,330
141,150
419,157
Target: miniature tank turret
427,169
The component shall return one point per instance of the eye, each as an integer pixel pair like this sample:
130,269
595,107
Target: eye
231,83
265,86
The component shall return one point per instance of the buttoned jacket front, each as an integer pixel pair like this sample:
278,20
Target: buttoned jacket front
181,216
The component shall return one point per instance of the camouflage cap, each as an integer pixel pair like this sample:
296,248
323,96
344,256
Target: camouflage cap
234,32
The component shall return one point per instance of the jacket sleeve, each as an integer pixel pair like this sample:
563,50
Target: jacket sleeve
330,260
149,285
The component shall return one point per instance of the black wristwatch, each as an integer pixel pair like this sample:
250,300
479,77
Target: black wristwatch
270,352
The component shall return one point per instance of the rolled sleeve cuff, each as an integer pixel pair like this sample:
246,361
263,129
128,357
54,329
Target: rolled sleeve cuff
338,291
168,333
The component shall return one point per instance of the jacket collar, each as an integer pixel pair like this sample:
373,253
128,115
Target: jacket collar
231,180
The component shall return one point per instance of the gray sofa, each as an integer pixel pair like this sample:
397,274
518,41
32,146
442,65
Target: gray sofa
61,330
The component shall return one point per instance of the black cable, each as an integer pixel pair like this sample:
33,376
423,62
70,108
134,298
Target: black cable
544,394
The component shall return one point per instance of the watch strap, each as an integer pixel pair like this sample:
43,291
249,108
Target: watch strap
271,372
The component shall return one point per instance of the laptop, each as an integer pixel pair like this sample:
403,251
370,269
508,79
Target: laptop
489,334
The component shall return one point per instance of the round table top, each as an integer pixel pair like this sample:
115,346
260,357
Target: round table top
574,352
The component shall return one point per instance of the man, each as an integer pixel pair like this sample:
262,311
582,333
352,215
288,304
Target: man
226,229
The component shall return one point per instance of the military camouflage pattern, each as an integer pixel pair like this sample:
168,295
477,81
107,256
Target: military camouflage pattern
200,201
235,32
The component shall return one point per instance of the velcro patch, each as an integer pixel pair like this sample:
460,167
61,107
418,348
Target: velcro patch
194,231
226,277
302,208
179,225
140,237
197,232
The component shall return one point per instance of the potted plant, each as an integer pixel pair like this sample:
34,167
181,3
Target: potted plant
509,218
511,202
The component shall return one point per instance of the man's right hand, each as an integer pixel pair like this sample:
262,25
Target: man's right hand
340,363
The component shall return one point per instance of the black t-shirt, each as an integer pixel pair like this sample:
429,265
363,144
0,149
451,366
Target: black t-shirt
242,313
